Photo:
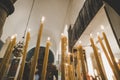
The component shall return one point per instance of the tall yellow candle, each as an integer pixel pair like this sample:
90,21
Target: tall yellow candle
80,49
63,51
108,58
6,55
45,63
111,53
78,66
103,76
36,52
7,59
24,57
63,46
4,47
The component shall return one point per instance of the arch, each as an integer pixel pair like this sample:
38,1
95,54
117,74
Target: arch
41,55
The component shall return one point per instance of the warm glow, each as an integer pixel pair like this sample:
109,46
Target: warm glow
98,33
79,42
29,29
68,53
62,34
13,36
66,64
99,51
102,27
48,38
91,35
116,60
43,19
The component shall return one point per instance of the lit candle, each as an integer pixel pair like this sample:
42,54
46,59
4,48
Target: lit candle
63,46
108,58
4,47
78,64
63,51
8,54
111,53
103,76
24,56
4,50
80,50
36,52
44,69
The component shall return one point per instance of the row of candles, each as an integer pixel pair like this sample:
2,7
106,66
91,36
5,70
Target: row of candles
5,62
36,55
67,62
68,69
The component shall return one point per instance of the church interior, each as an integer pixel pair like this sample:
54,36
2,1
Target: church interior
59,40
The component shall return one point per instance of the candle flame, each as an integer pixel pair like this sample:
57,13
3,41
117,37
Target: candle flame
62,34
29,29
66,64
48,39
79,41
91,35
116,60
43,19
102,27
68,53
13,36
98,33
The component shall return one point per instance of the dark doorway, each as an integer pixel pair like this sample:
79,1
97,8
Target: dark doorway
41,55
51,69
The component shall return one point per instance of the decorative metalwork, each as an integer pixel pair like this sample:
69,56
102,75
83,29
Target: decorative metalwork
18,49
